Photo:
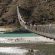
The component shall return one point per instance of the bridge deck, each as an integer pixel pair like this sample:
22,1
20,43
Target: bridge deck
44,30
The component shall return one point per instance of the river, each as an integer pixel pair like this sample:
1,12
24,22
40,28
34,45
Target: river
23,38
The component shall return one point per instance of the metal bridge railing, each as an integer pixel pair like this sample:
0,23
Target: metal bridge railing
43,28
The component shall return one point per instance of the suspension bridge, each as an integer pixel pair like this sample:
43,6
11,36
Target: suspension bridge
47,30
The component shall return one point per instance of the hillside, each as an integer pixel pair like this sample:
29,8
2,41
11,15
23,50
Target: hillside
8,13
42,11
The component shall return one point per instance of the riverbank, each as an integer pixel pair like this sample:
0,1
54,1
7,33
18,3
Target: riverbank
24,38
8,28
43,48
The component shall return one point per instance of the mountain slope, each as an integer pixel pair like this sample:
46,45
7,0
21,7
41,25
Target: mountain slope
42,11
